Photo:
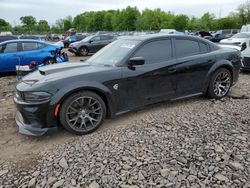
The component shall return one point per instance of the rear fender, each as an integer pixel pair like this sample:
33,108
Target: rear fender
219,64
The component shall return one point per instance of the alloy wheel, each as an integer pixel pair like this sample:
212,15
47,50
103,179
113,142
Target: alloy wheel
84,114
222,84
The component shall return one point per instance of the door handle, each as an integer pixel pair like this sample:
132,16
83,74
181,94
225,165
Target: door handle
171,69
210,61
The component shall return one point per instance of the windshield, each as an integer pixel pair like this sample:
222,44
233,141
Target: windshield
241,35
86,39
114,52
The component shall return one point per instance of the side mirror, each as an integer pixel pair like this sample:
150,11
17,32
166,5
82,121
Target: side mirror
90,41
135,61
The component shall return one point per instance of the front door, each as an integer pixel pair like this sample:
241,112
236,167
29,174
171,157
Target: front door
152,82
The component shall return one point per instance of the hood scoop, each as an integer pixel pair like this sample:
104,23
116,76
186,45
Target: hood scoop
50,69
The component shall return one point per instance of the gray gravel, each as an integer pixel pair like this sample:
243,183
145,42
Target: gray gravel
190,143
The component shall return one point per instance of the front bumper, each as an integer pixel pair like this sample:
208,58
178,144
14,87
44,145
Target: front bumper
35,119
72,50
28,129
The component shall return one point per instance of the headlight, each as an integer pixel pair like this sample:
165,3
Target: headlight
36,96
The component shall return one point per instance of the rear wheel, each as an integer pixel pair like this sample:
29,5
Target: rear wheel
82,112
220,83
83,51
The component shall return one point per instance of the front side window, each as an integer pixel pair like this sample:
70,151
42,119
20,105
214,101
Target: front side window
156,51
95,39
7,48
186,47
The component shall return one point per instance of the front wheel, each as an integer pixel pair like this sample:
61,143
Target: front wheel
220,83
82,112
83,51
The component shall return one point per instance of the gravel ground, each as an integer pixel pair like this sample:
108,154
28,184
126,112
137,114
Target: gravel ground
195,142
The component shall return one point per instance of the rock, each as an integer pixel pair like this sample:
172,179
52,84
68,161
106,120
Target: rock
236,165
32,183
181,160
218,149
140,176
221,177
129,186
172,175
51,180
164,172
191,178
3,172
58,184
73,182
94,185
63,163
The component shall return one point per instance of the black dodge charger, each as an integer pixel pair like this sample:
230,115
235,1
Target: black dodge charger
128,73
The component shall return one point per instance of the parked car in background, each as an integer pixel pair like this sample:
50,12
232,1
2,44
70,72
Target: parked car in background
7,37
73,38
29,37
90,44
223,34
246,59
22,52
127,74
242,39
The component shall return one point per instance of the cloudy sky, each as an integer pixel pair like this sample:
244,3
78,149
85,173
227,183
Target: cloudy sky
51,10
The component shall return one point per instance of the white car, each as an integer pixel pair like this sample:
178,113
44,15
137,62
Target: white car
238,39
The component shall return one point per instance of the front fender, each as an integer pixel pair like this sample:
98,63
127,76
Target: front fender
96,87
219,64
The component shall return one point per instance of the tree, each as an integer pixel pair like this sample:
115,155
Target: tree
4,25
28,21
180,22
43,26
67,23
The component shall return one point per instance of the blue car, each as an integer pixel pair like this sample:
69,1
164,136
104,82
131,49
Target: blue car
22,52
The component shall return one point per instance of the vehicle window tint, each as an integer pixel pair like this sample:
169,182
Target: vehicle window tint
96,39
6,48
40,45
105,37
30,46
155,51
204,47
186,47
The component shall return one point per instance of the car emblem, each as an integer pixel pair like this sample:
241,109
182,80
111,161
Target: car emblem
116,86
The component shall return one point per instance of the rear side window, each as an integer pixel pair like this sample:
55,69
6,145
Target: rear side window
32,46
156,51
186,47
7,48
204,47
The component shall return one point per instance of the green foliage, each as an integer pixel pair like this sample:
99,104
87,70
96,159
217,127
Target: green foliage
4,25
131,19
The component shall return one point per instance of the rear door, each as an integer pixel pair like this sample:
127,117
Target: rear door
33,51
152,82
9,57
194,60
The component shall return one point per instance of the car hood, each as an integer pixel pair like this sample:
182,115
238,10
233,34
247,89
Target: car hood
63,71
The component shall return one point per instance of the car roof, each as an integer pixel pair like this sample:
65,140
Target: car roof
23,40
159,36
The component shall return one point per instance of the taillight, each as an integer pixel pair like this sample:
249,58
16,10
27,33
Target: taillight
32,64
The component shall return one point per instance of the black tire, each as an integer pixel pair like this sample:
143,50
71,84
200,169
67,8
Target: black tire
220,84
83,51
79,116
49,61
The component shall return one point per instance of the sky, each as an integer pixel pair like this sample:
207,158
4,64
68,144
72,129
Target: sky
51,10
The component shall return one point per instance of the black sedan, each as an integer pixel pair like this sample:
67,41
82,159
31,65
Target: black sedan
90,44
127,74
